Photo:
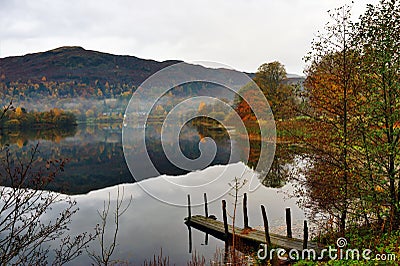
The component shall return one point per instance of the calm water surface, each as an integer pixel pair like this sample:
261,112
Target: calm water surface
97,169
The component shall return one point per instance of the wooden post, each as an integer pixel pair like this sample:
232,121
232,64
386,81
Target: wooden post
225,219
266,226
305,235
205,205
189,210
206,213
188,224
226,252
288,223
245,217
190,238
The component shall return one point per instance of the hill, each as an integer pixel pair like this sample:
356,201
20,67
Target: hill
74,63
98,85
71,63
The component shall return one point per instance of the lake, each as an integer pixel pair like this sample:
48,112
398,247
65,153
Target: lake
154,220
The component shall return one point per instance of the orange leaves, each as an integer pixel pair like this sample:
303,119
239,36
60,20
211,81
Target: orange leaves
245,112
201,107
18,111
56,112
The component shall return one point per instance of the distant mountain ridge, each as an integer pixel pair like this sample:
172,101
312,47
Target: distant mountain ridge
95,85
73,63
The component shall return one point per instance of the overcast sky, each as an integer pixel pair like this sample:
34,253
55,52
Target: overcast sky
240,33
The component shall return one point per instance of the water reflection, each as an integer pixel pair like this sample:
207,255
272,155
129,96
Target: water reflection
190,138
94,154
22,137
96,158
149,224
277,176
96,161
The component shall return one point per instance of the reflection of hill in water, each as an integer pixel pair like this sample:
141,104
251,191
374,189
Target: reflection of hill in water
94,154
189,140
96,158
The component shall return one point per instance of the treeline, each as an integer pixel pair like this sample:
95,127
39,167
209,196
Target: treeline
31,90
85,101
101,101
19,118
23,91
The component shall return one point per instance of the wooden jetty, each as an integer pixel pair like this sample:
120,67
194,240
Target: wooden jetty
246,235
249,236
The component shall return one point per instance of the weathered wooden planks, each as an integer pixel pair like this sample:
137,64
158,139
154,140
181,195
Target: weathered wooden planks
216,228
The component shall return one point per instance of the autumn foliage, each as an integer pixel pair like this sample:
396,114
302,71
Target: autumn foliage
20,119
350,121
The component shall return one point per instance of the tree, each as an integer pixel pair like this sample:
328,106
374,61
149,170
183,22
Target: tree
99,93
351,133
89,113
330,88
235,186
378,39
4,114
18,111
26,236
270,77
201,108
106,251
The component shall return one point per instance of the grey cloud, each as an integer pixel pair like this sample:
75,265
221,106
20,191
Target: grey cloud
243,34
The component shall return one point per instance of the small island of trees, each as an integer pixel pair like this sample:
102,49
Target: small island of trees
19,118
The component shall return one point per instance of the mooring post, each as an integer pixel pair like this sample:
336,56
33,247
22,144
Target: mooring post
206,213
225,219
305,235
189,210
245,217
190,238
226,252
205,205
266,226
288,223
